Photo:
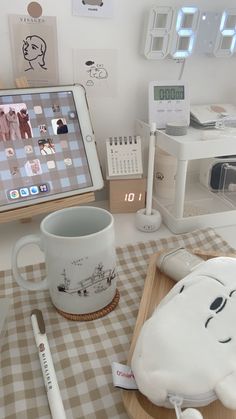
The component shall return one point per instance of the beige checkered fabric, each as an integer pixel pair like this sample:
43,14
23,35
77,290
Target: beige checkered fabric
82,351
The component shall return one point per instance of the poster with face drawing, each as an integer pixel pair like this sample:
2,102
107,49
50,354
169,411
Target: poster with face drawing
34,49
96,70
93,8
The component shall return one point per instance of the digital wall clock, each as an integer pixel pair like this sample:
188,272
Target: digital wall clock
168,102
177,33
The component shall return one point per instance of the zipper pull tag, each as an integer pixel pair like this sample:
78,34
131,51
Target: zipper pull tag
177,402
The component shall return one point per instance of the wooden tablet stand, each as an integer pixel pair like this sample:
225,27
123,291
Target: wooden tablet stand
24,214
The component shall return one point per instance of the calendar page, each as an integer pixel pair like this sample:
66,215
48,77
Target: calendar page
124,157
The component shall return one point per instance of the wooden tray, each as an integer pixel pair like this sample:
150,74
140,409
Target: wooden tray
156,286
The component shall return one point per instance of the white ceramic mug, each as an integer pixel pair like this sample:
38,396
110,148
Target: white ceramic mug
80,258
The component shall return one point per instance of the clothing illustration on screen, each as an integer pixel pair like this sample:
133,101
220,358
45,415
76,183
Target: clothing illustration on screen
4,126
23,118
13,124
34,49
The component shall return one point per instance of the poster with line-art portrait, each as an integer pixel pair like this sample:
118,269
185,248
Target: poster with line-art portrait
34,49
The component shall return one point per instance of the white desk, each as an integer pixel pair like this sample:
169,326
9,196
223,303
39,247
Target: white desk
125,230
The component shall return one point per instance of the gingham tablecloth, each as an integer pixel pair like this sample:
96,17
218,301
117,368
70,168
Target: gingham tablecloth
82,351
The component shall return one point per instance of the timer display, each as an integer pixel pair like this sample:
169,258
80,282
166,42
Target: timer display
168,101
169,93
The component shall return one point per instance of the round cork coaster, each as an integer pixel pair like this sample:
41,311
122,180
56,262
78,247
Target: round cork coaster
96,314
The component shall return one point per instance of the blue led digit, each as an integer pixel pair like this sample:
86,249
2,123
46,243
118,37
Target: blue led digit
226,39
185,32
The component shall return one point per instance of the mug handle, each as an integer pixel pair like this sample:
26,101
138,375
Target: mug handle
32,286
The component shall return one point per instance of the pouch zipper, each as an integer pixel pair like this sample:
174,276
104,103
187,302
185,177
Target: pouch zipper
194,401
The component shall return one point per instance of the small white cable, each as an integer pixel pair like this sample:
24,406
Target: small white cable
182,69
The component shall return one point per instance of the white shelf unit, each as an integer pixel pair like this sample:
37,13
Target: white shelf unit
193,205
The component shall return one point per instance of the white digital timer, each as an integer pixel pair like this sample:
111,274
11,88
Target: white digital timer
168,102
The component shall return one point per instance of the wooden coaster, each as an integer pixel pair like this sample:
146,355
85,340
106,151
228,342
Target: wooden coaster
96,314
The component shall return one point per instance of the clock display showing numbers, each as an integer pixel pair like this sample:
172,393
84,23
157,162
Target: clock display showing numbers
168,92
178,33
133,196
168,102
127,195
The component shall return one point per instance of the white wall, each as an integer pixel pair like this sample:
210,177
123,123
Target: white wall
210,79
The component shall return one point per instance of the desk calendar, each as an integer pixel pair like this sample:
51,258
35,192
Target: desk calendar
124,157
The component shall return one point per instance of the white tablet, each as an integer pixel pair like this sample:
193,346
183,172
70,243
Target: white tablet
47,146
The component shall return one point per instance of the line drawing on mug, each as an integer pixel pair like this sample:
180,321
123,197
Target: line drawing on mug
99,281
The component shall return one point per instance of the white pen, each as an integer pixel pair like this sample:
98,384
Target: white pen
151,158
49,375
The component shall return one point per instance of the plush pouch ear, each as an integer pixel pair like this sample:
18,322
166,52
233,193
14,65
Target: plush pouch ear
226,391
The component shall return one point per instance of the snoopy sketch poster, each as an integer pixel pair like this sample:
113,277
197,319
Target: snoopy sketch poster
97,71
34,49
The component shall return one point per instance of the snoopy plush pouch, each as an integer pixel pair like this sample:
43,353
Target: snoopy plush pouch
183,352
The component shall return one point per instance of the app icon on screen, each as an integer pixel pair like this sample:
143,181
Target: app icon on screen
34,190
46,146
14,170
38,109
9,152
64,144
44,187
24,192
42,129
28,149
55,107
33,167
68,161
14,194
51,164
72,115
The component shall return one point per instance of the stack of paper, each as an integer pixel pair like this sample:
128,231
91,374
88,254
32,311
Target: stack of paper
212,115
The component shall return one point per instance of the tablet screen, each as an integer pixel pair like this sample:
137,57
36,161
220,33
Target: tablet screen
42,149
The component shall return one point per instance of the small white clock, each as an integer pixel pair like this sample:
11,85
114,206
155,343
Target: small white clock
168,102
